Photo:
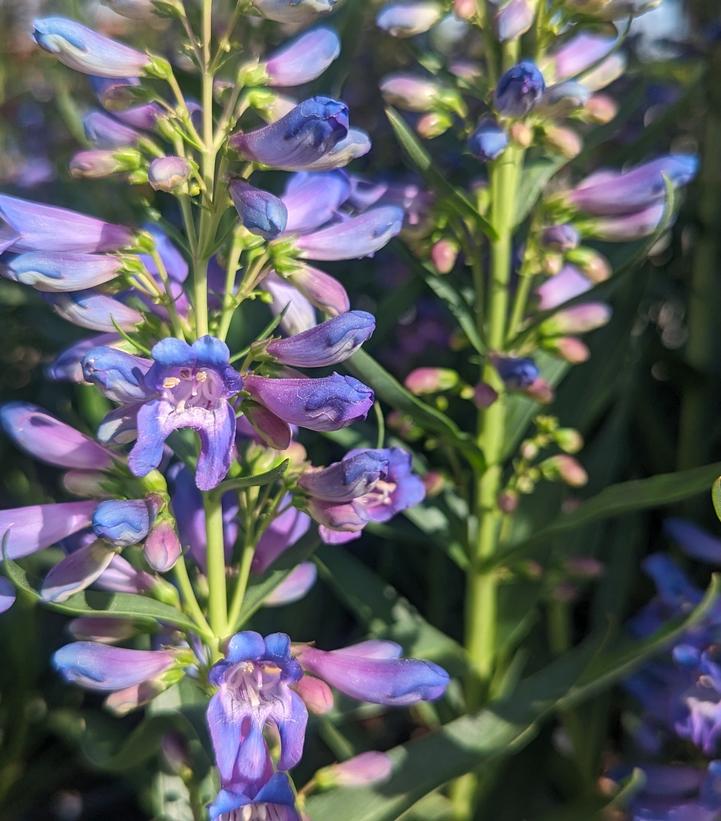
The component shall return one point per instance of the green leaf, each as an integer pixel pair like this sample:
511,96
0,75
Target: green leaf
99,603
455,199
626,497
258,480
142,743
467,743
384,612
716,496
390,390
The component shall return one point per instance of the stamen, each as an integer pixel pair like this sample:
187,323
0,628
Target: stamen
171,382
201,376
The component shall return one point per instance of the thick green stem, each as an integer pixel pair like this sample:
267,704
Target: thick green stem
215,552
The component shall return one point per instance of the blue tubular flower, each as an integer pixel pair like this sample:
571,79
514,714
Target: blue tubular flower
355,475
100,667
32,226
77,571
693,540
119,375
95,311
514,18
254,691
274,801
122,522
299,314
517,373
189,387
62,272
304,59
105,131
353,238
519,90
84,50
7,594
293,588
50,440
261,212
374,671
306,134
488,140
313,199
329,403
329,343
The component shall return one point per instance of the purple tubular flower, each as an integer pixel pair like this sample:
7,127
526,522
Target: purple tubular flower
409,19
122,522
693,540
84,50
190,386
634,190
517,373
67,366
119,375
284,531
254,691
329,343
50,440
304,135
562,287
274,800
580,53
488,140
628,227
261,212
168,173
104,668
269,429
62,271
77,571
312,199
355,144
374,671
513,19
7,594
299,313
95,311
34,528
122,577
32,226
105,131
321,289
102,629
294,587
96,164
519,90
329,403
366,768
143,116
304,59
353,238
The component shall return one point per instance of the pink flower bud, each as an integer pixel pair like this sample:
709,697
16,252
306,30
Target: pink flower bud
594,265
444,254
430,380
465,9
508,501
568,439
316,694
434,482
541,391
168,173
566,469
433,124
162,547
484,395
564,140
359,771
578,319
601,108
569,348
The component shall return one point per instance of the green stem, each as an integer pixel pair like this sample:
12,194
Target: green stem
169,301
246,560
188,594
228,309
215,551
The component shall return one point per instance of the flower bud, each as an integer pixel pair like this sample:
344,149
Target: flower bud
601,109
564,468
578,319
103,629
122,522
484,395
444,254
519,90
423,381
409,19
434,482
297,12
261,212
105,131
560,237
517,373
465,9
359,771
433,124
162,546
304,59
540,391
593,264
563,99
95,164
84,50
488,141
508,501
169,173
521,133
567,347
316,694
410,92
568,439
564,140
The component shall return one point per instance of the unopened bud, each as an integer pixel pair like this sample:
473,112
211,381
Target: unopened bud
434,482
359,771
573,350
169,173
508,501
465,9
431,380
444,254
564,140
601,108
568,439
433,124
162,547
566,469
521,134
593,264
484,395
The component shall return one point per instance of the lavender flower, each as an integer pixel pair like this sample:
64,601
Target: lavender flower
304,59
293,11
84,50
36,527
272,800
302,136
409,19
93,310
353,238
105,131
32,226
514,18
